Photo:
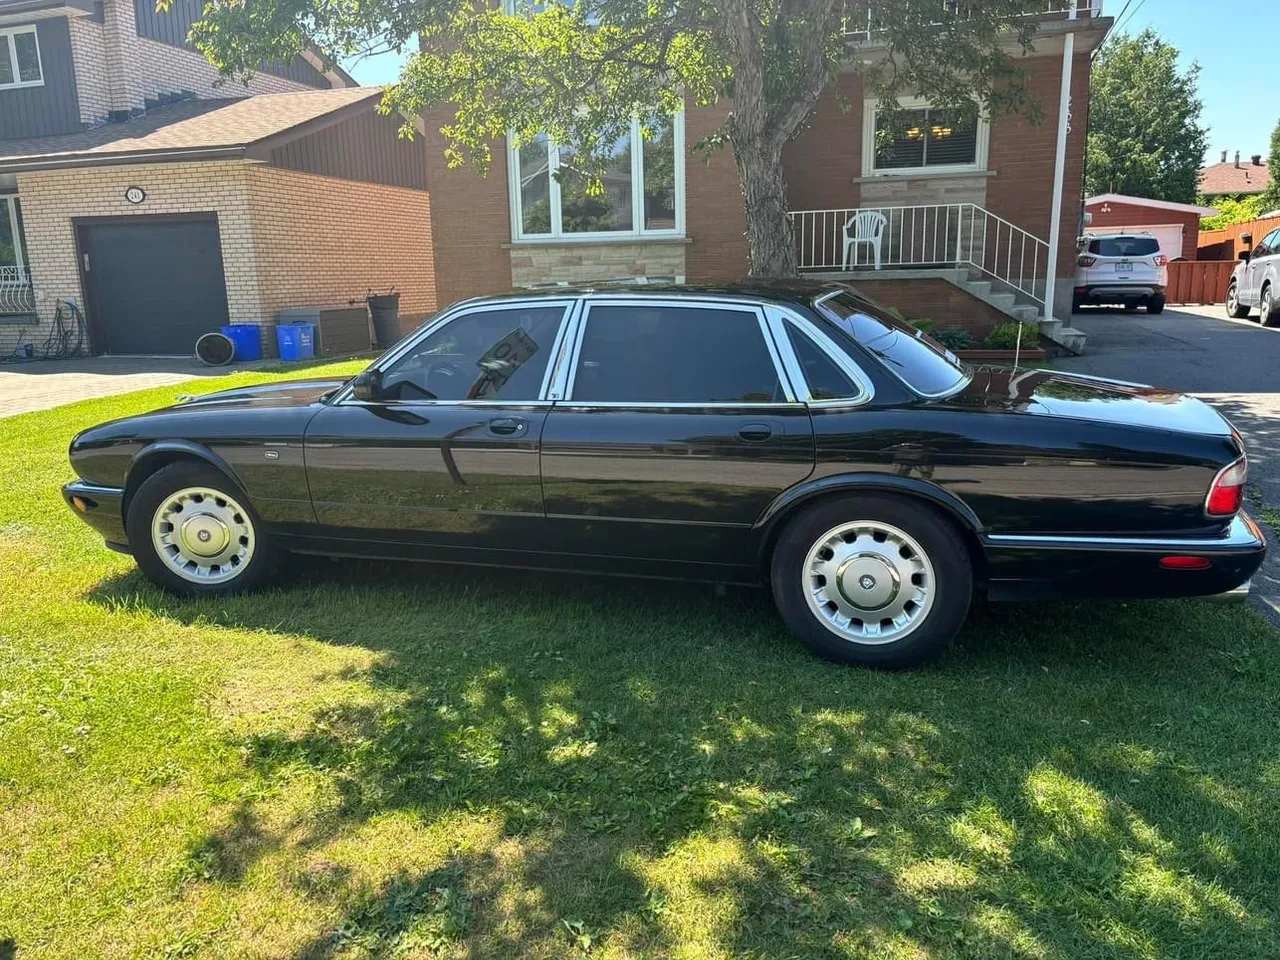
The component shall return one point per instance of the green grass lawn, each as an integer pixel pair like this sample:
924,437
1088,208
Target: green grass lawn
373,761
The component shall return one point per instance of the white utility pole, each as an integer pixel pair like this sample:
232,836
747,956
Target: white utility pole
1060,167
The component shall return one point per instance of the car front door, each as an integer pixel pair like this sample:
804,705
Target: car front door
448,453
1262,257
677,429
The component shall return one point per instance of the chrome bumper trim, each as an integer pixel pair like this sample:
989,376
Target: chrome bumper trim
1242,534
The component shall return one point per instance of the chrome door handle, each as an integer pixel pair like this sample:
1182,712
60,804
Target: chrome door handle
507,426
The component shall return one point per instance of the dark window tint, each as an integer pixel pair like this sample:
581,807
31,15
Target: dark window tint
668,354
486,355
1124,246
921,362
1270,244
825,378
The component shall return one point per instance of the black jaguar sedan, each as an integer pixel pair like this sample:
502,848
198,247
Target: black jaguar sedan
784,433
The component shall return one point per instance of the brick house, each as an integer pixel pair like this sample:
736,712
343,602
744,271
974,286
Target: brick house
167,204
967,205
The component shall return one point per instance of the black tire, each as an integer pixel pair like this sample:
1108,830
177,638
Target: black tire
165,484
1268,315
1239,311
938,539
1130,307
1155,304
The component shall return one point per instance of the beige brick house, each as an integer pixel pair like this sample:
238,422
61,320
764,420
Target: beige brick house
165,204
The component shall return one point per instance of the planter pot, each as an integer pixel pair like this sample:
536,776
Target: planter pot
1001,356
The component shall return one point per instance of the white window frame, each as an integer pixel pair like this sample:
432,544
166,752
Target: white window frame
9,48
637,230
870,108
8,208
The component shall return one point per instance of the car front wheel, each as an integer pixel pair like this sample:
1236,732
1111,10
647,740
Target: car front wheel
874,580
1235,308
193,532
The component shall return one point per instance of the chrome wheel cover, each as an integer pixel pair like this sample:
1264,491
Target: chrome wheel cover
203,535
1265,307
1233,301
868,582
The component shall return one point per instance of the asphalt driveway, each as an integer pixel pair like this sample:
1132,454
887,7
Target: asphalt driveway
1233,364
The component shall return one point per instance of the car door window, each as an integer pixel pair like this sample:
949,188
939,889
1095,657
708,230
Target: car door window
487,354
824,377
1270,244
671,354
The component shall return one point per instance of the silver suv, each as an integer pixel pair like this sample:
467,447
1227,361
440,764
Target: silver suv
1255,282
1125,269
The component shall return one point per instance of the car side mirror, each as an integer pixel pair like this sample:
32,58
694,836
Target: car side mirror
367,386
1244,255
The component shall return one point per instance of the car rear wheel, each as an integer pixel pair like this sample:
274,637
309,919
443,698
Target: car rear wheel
1235,308
1155,304
192,531
1266,308
1130,307
875,580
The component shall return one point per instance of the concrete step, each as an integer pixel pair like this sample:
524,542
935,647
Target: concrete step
1026,313
1051,329
1072,339
979,288
1004,302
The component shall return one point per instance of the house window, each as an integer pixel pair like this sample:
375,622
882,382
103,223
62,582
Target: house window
20,58
640,193
12,254
924,139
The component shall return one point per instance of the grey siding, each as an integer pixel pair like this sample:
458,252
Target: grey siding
367,148
50,109
172,27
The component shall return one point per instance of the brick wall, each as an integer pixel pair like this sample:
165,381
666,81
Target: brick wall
320,240
116,70
1022,155
823,162
937,300
715,222
288,238
1130,216
50,201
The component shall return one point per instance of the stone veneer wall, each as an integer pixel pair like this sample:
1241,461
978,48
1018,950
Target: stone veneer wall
580,261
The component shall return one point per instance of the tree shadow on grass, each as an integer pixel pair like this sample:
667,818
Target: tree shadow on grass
660,769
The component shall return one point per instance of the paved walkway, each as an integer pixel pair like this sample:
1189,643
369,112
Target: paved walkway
1232,364
40,385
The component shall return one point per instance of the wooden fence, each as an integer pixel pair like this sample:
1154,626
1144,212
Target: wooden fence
1198,281
1225,244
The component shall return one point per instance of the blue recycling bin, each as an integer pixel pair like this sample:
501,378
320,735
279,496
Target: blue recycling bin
297,341
245,337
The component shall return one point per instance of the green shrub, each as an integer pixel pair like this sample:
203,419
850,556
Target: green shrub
1005,337
953,338
924,324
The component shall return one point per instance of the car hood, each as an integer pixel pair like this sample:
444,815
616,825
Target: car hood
1054,394
287,393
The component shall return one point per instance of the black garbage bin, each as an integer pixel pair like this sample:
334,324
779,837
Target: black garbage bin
385,309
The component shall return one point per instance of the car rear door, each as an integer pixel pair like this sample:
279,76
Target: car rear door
448,457
1262,260
676,430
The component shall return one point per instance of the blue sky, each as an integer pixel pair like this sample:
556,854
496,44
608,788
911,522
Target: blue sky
1224,36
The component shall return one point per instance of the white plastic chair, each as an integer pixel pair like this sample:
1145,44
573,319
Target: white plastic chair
865,226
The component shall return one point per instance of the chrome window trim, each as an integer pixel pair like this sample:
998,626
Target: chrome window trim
457,312
682,405
779,317
966,374
679,303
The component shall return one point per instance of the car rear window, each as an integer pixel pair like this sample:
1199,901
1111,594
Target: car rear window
1124,246
918,360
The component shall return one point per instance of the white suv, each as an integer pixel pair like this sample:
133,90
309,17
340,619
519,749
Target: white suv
1126,269
1255,282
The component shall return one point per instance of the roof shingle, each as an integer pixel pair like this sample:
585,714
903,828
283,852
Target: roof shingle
1223,178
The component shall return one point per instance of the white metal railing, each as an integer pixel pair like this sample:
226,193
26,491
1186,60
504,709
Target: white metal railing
1034,8
15,291
932,235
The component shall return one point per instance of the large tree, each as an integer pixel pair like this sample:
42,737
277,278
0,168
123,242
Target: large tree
1145,138
1271,197
580,71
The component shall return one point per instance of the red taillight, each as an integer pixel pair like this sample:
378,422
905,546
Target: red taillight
1160,259
1227,492
1185,563
1087,261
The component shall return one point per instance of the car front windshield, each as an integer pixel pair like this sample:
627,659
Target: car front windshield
922,363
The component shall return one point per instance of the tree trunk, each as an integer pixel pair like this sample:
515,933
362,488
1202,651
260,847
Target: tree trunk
770,244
